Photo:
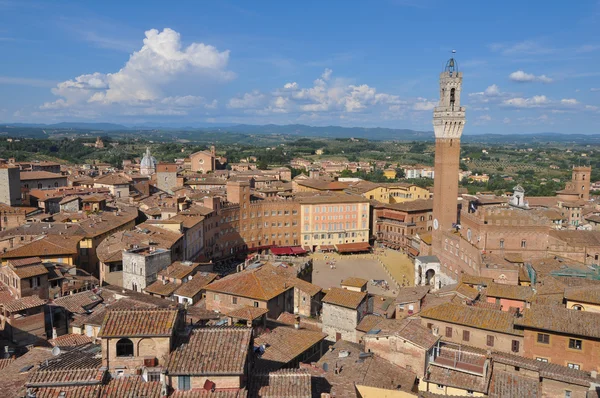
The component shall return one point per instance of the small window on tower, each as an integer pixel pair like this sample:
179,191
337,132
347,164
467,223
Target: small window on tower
452,97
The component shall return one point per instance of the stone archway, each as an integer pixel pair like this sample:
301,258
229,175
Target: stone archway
430,277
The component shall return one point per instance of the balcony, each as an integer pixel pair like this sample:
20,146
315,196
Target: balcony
456,357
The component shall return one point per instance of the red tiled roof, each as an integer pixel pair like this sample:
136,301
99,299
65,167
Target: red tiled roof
289,383
19,262
23,303
344,297
68,392
79,303
212,351
284,344
248,284
70,340
131,386
139,323
247,313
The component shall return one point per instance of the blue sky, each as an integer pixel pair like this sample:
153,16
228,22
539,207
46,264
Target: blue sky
529,66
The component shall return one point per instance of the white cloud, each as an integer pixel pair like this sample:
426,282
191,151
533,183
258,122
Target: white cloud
251,100
491,93
533,102
506,120
523,77
569,101
327,96
595,89
424,105
146,76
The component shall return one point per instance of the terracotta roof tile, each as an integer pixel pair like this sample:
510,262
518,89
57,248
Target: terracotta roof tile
80,365
15,375
505,385
408,329
28,271
212,351
289,383
247,313
50,245
210,394
139,323
561,320
19,262
24,303
162,288
79,303
411,294
131,386
196,285
369,322
68,392
70,340
454,378
354,282
344,297
4,362
248,284
371,371
39,175
513,292
479,318
284,344
586,294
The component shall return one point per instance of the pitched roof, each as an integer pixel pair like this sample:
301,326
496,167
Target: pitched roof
162,288
368,322
248,284
15,375
195,286
411,294
546,369
247,313
344,297
561,320
480,318
505,385
408,329
111,248
243,393
179,269
23,303
212,351
289,383
68,392
28,271
70,340
139,323
284,344
50,245
19,262
454,378
112,179
587,294
79,303
39,175
131,386
354,282
80,365
513,292
372,371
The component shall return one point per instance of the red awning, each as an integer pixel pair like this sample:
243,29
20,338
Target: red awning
281,251
353,247
413,252
327,248
297,250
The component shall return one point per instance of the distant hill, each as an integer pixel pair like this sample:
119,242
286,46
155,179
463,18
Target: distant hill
195,131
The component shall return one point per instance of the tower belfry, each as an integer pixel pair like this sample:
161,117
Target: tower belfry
448,123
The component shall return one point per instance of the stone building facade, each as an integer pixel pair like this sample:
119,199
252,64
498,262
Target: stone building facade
10,185
141,266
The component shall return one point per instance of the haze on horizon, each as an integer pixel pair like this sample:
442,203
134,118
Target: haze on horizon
528,67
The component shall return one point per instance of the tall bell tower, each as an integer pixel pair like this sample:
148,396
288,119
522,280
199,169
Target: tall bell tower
448,123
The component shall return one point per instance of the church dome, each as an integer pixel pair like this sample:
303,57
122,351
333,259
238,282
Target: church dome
148,160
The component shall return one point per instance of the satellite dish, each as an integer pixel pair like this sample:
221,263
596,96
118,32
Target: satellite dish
325,367
55,351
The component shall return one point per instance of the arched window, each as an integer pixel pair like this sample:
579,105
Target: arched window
452,97
124,348
56,185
